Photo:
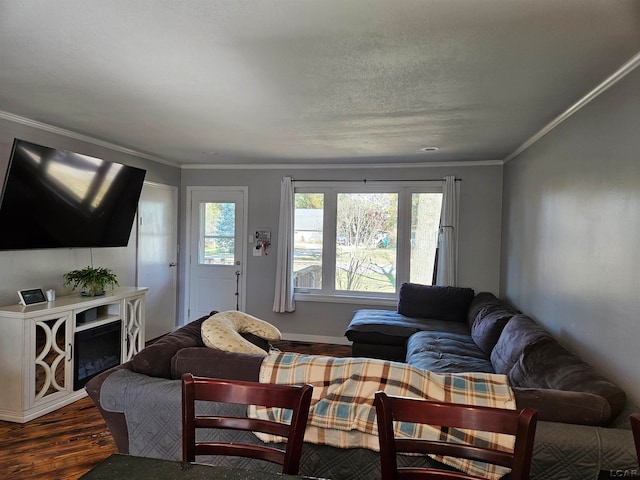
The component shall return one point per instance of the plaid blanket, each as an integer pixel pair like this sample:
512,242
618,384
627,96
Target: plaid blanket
342,412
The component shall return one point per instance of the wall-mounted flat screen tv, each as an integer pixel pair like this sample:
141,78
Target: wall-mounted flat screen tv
54,198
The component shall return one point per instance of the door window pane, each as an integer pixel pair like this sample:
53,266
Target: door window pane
307,243
217,243
425,219
366,233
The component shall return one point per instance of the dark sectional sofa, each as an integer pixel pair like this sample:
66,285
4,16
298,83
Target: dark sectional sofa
584,430
450,329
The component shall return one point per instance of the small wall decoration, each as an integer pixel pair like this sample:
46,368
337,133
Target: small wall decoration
263,239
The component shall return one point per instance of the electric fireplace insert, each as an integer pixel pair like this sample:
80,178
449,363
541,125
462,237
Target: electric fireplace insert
96,350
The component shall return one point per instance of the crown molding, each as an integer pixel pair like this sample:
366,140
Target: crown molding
608,82
79,136
345,166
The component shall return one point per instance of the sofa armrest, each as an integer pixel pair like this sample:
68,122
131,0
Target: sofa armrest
202,361
563,406
116,422
580,451
618,450
153,412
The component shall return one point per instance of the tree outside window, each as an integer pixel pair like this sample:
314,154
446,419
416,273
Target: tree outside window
366,238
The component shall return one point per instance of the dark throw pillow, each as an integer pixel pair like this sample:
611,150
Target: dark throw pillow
434,302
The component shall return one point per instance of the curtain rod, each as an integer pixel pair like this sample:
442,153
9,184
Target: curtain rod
364,180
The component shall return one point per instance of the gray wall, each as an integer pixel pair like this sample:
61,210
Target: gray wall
44,268
571,233
479,248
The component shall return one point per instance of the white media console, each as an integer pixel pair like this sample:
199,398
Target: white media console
40,365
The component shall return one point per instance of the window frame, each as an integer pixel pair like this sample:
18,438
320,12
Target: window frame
404,190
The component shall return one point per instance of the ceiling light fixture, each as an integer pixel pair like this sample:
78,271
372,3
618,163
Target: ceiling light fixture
430,149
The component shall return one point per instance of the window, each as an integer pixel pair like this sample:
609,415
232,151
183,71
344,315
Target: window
217,235
364,240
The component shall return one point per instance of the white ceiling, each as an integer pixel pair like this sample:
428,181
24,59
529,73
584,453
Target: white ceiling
309,81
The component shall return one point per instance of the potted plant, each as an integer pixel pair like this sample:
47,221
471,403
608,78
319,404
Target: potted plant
91,281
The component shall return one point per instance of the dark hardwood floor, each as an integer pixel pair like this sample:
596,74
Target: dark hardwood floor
68,442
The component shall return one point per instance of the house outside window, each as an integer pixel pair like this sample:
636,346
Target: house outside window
355,240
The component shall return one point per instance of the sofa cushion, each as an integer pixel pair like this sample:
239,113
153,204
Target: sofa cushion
549,365
428,301
387,327
488,325
446,352
211,362
155,359
480,301
486,302
519,333
567,407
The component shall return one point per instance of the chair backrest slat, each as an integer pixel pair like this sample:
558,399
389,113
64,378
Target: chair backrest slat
521,424
296,398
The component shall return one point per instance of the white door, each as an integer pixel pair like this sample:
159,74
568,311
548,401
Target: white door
157,256
217,230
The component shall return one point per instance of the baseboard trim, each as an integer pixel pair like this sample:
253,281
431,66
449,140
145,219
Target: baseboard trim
297,337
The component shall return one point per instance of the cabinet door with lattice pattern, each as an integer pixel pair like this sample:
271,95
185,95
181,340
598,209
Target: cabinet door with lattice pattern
52,356
134,326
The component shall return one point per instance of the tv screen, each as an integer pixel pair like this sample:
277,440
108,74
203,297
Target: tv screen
55,198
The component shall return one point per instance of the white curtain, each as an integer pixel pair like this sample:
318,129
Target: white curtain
283,301
447,234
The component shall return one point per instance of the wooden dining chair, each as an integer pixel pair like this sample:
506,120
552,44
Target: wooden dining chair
635,426
294,397
521,424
